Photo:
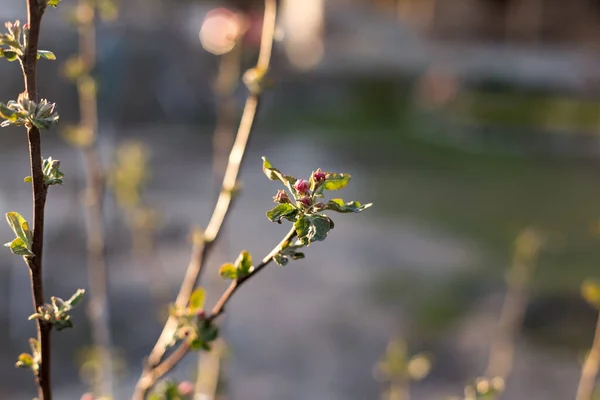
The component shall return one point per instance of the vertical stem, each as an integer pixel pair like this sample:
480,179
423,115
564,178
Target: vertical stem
93,203
589,372
28,64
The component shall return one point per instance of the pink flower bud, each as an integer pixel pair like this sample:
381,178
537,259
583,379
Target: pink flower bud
302,186
185,388
319,176
200,314
26,27
306,201
87,396
281,197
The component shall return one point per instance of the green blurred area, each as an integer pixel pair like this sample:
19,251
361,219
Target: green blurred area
484,194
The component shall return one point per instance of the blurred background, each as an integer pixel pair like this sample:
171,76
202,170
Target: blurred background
472,125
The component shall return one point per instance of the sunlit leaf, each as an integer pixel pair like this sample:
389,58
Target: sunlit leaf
352,206
197,299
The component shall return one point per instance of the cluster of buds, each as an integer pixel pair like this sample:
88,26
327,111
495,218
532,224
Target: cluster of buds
29,113
56,313
304,191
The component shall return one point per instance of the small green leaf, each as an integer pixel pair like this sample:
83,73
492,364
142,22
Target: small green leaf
15,221
320,227
274,174
352,206
28,179
76,298
11,55
47,54
19,247
25,361
197,344
209,331
336,181
311,228
287,211
228,271
302,226
53,3
243,264
197,300
280,259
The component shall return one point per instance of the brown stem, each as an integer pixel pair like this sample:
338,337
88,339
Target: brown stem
93,203
203,246
219,308
502,349
149,379
39,189
589,372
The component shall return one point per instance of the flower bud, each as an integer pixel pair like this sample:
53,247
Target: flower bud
185,388
306,201
200,314
319,176
87,396
302,186
281,197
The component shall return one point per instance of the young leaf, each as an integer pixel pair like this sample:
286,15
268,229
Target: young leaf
302,226
47,54
243,264
76,298
336,181
197,300
19,247
53,3
274,174
11,55
25,361
16,222
352,206
320,227
228,271
287,211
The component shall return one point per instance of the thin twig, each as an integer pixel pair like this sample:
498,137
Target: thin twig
501,358
589,371
219,308
202,247
174,358
28,65
93,202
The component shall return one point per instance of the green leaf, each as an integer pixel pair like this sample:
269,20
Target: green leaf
11,55
228,271
18,224
76,298
302,226
197,300
28,179
18,247
209,332
311,228
53,3
25,361
590,291
274,174
47,54
336,181
243,264
280,259
320,227
352,206
287,211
